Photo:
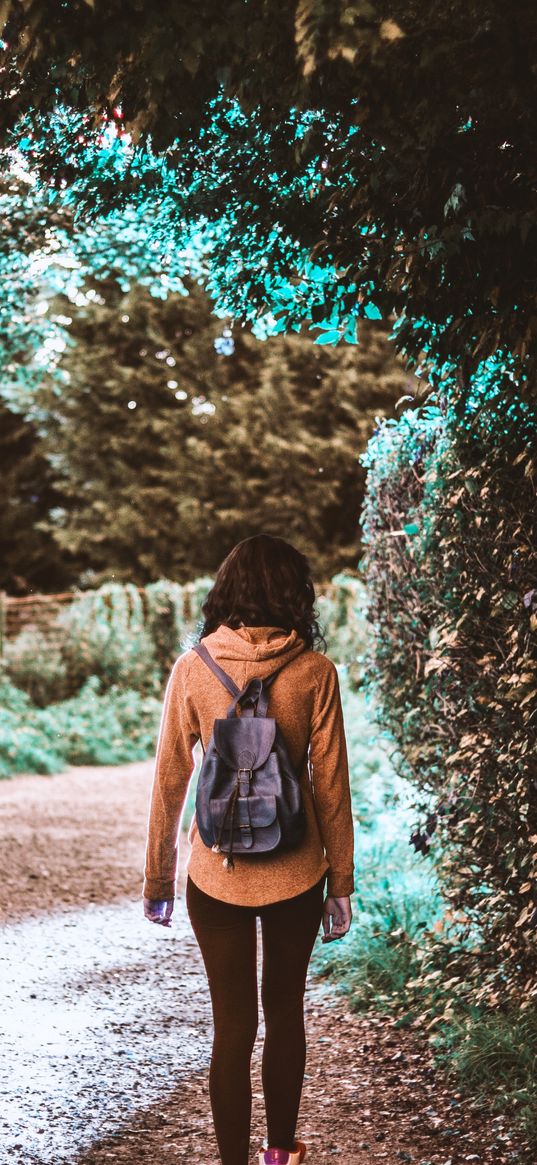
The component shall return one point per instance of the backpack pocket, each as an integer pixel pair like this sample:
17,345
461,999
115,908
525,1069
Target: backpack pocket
255,823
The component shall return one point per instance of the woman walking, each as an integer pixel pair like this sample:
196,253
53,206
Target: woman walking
259,623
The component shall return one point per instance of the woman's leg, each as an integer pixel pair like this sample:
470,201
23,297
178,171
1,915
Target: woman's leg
227,938
289,931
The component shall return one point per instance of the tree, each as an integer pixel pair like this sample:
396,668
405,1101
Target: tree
28,554
166,452
390,165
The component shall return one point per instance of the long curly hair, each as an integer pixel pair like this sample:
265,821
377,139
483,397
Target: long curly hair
264,582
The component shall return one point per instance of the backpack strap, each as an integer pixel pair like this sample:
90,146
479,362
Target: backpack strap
218,671
261,695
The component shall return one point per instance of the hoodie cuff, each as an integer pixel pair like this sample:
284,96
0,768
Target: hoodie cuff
339,885
159,890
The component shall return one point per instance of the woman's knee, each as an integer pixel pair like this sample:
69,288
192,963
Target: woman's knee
282,1006
235,1020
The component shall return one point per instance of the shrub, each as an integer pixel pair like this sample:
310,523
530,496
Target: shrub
394,905
105,635
495,1057
26,746
396,902
91,728
451,530
112,728
341,604
165,603
34,663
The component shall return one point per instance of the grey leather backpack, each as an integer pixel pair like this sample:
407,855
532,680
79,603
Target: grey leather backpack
248,798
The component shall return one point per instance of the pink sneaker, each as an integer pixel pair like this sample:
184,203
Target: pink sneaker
283,1156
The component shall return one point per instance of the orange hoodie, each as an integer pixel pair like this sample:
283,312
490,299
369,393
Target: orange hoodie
305,701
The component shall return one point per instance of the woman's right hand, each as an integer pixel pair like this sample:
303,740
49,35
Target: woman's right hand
337,918
160,911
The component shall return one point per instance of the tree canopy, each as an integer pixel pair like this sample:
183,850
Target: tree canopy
343,159
176,436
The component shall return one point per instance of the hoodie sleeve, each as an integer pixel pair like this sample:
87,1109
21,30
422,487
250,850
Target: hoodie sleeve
174,766
330,780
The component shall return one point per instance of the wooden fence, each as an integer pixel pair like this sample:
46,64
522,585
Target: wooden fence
34,611
39,612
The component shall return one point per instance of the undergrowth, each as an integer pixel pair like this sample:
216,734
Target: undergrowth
112,727
397,904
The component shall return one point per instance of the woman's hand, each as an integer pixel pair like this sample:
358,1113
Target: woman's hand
160,912
337,917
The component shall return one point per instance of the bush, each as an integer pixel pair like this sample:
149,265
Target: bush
396,957
495,1057
26,746
114,727
34,663
105,635
341,604
394,905
451,530
165,604
396,902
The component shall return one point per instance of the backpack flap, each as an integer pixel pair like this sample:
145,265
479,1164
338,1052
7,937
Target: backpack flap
244,743
251,814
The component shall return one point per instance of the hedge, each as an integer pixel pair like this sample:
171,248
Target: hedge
450,523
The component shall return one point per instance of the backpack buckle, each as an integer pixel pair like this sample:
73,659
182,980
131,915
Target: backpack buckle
244,777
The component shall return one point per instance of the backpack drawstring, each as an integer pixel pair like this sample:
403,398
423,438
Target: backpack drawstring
228,862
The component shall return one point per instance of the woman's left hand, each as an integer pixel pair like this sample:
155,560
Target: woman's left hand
337,918
160,911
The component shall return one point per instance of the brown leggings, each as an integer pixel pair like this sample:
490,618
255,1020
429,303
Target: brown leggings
227,938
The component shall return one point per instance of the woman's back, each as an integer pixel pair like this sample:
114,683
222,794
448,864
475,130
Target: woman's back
304,699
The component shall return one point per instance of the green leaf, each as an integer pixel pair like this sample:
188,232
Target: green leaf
329,338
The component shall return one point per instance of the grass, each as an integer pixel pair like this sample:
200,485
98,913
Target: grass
396,896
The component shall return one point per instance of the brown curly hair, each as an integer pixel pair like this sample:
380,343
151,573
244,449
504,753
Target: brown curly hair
264,582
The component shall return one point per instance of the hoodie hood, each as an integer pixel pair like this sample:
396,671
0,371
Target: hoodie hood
268,646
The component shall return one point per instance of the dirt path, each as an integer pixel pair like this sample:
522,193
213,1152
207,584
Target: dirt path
106,1020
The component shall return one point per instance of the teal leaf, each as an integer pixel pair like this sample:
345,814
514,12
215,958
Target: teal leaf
371,312
328,338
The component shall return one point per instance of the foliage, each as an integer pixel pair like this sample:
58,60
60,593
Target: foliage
451,564
49,265
113,727
395,903
165,605
399,917
391,165
27,497
25,744
341,605
495,1057
129,638
151,459
36,664
393,907
104,636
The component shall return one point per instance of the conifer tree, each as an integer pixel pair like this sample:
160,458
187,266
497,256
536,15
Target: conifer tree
167,452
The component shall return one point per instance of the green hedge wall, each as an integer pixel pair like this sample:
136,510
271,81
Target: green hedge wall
450,523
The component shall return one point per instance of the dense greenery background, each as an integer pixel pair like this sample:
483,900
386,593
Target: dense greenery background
163,435
388,172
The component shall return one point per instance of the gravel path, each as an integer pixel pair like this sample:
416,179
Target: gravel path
105,1021
100,1017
